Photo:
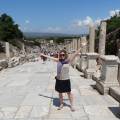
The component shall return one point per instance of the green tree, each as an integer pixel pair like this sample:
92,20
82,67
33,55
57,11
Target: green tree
112,37
8,29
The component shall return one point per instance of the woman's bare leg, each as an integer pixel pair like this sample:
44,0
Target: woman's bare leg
61,101
70,96
61,98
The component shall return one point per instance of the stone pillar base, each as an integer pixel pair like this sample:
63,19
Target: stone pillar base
83,62
103,88
109,74
91,64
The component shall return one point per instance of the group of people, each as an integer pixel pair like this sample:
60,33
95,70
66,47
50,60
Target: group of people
52,54
63,84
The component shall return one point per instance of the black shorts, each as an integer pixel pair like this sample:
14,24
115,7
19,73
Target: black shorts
63,86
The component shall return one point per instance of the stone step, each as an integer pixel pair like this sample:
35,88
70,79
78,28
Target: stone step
115,93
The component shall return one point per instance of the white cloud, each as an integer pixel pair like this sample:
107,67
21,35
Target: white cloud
27,21
114,12
19,27
117,11
97,22
88,21
77,23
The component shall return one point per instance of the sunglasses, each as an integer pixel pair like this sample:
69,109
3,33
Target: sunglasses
62,55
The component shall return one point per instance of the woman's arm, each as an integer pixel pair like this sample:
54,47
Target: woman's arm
52,58
78,52
72,57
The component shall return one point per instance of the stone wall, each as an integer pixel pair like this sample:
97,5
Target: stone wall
119,72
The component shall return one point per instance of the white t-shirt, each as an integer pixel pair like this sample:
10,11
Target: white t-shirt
64,74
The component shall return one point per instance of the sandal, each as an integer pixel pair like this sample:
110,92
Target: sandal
72,108
60,107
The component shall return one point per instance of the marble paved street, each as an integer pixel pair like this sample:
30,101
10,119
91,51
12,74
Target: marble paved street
27,93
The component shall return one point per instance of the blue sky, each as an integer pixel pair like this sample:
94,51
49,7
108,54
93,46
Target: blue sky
62,16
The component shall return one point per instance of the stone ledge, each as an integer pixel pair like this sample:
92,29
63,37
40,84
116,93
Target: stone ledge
109,57
115,93
83,54
92,55
3,63
104,88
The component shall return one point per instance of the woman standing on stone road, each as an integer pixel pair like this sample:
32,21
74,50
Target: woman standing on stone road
63,84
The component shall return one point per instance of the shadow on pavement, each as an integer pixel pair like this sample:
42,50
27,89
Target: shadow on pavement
115,111
55,100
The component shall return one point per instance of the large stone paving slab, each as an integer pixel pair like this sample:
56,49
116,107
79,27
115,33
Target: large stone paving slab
39,111
8,100
8,112
23,112
97,110
43,99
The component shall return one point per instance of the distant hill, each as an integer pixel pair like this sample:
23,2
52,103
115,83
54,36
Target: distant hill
45,35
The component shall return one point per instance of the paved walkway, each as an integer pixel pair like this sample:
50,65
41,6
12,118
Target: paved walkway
27,93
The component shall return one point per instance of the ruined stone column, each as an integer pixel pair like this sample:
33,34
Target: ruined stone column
83,44
119,66
78,59
23,47
119,53
74,49
76,44
102,39
83,57
72,45
69,47
119,72
79,41
7,50
91,56
91,39
109,74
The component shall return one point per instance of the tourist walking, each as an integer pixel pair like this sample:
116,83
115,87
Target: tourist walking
63,84
44,58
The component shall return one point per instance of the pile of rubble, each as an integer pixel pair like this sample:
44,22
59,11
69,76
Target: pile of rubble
15,61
